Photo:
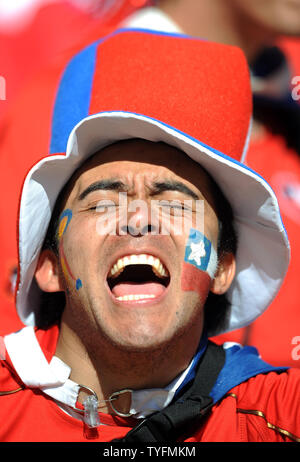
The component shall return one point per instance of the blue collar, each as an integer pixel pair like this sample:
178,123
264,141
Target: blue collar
241,363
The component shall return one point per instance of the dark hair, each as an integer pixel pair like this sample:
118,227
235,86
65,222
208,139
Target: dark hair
216,306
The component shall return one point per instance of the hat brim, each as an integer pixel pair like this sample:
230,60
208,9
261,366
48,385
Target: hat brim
263,251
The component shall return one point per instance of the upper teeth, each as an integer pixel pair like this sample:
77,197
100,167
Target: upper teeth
142,259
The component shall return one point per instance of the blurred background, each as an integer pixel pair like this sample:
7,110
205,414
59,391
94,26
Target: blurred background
37,37
33,32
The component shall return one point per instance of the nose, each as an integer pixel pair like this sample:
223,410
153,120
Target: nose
139,219
137,231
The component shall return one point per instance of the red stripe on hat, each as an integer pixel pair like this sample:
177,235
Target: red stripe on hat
198,87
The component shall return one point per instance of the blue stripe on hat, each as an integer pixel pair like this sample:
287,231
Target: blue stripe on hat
73,97
156,32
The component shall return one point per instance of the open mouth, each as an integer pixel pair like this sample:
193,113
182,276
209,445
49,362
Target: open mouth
138,278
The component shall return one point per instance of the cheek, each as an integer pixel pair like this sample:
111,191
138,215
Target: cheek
68,273
199,265
195,280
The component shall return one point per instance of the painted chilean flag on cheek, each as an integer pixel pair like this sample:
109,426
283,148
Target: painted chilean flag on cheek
200,264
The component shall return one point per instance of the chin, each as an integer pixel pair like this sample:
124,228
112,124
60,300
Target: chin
160,336
140,340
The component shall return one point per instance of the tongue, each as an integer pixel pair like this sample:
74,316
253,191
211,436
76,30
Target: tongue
131,288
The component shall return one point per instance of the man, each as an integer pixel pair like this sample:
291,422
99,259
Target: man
25,138
141,234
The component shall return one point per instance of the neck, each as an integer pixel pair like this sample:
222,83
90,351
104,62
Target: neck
218,21
106,369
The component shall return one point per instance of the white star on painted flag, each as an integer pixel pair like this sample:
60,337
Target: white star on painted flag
197,252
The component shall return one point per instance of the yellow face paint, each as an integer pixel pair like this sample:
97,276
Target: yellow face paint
65,219
62,227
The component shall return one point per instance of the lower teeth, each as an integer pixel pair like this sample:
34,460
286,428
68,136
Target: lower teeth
135,297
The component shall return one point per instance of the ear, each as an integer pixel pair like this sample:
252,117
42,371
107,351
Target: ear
47,274
224,275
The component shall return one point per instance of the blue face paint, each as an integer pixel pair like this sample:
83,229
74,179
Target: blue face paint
200,252
78,284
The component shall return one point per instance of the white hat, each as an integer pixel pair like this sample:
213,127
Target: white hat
105,97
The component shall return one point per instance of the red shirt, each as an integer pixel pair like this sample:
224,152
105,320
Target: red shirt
264,408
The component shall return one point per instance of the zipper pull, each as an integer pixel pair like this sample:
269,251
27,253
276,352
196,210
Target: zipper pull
91,415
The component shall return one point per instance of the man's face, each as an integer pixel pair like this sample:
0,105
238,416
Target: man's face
122,282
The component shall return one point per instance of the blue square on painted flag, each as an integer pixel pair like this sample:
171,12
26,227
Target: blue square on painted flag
197,250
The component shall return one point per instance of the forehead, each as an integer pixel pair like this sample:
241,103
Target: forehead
134,158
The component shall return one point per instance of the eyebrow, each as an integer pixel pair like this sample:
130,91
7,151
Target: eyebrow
162,186
157,187
102,185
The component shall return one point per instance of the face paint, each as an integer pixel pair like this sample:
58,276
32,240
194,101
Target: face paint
200,264
78,284
65,219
